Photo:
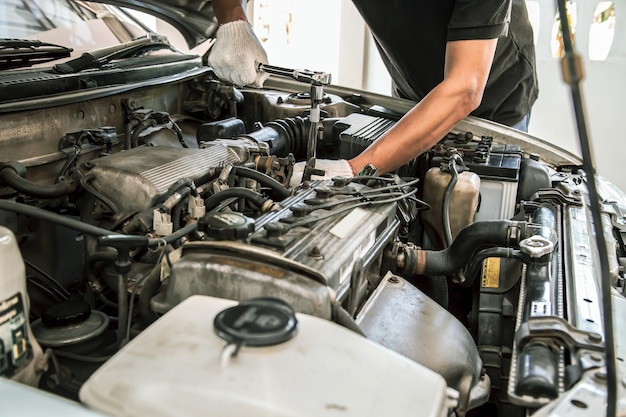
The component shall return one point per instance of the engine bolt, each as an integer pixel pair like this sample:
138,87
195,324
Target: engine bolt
275,229
393,279
322,192
594,337
299,210
316,253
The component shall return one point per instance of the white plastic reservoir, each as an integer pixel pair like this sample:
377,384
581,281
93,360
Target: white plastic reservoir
176,368
21,357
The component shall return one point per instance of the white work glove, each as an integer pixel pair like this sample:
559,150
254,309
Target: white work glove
333,168
236,54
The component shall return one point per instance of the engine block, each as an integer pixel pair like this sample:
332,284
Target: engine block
313,251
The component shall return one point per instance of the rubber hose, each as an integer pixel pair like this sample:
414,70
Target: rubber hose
239,192
84,182
89,272
281,192
64,221
179,133
474,236
190,228
177,212
127,135
79,226
180,183
151,285
53,283
134,138
10,177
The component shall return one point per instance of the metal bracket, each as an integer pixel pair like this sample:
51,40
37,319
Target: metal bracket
548,195
558,329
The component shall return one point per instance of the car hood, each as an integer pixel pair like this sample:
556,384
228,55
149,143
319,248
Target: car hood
193,18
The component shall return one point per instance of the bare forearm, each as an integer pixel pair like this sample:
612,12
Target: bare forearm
229,10
465,76
420,129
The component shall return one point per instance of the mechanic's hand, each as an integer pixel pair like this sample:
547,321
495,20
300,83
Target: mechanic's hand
333,168
237,53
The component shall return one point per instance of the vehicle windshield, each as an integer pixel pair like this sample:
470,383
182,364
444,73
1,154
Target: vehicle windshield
79,25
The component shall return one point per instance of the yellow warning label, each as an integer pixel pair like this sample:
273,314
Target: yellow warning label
491,273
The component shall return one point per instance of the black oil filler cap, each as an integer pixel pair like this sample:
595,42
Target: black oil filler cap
262,321
66,314
226,225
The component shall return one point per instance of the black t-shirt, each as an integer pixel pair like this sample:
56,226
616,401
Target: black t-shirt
411,36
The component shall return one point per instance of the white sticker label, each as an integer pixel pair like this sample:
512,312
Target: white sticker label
349,223
15,352
540,309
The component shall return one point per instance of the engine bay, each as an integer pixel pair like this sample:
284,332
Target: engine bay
474,260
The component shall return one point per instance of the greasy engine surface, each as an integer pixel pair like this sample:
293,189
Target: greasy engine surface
126,205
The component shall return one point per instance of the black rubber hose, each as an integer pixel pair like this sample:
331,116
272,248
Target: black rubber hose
176,214
477,261
91,263
48,291
281,192
472,238
64,221
179,133
79,226
84,182
239,192
10,176
127,135
180,183
93,280
151,285
190,228
53,283
134,138
177,211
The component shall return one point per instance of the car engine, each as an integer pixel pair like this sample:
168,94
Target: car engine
475,260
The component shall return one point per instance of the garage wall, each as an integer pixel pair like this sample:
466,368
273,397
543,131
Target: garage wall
603,89
329,35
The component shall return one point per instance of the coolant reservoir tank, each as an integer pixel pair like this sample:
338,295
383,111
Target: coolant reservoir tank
183,365
21,357
463,202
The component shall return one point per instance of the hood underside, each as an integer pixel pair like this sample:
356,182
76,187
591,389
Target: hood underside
193,18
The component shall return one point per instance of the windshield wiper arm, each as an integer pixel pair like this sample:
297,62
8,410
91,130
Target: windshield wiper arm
20,53
99,57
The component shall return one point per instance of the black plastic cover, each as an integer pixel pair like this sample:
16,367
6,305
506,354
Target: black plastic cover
226,226
221,129
66,314
262,321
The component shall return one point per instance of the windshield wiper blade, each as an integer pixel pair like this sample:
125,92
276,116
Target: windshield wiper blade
99,57
20,53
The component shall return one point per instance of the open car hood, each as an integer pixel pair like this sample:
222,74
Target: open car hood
193,18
